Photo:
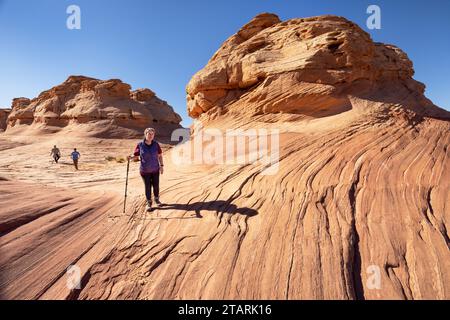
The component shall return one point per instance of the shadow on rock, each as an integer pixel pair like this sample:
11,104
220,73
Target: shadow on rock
220,206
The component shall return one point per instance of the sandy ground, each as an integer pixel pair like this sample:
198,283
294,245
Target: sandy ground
28,159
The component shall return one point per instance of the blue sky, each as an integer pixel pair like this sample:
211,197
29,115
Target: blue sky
161,44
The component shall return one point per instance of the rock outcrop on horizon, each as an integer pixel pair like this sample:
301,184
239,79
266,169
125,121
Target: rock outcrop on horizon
4,113
358,207
108,108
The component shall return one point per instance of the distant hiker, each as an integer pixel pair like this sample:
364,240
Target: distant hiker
56,154
150,154
75,155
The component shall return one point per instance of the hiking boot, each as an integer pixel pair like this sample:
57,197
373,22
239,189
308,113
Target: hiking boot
158,202
148,207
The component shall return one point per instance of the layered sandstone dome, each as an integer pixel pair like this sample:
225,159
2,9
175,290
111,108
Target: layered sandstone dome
107,108
310,66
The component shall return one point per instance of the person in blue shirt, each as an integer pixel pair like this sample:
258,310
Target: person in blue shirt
75,155
150,153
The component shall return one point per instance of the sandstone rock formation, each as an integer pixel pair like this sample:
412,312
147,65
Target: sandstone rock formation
308,66
4,113
108,107
358,208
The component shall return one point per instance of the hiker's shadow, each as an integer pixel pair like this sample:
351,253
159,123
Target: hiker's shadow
218,206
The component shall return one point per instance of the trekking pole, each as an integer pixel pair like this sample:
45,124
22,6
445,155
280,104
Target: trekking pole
126,186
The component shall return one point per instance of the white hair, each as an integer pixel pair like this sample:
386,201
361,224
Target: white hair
149,130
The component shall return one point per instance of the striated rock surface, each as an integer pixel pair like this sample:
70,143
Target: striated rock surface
108,107
358,208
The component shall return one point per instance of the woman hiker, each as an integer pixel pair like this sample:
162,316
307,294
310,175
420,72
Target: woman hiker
150,154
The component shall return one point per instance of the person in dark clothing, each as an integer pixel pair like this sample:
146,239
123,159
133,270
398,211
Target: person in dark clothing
56,154
150,153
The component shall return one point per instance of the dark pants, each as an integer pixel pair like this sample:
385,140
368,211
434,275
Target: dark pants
151,180
56,158
75,163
